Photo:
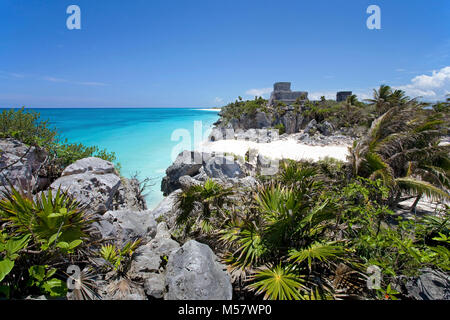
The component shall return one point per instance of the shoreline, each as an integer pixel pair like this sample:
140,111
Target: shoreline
210,109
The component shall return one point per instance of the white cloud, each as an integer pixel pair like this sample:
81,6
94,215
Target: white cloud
92,83
12,74
52,79
331,95
258,92
83,83
218,100
434,86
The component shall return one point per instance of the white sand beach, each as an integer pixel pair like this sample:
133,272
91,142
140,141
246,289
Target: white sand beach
211,109
280,149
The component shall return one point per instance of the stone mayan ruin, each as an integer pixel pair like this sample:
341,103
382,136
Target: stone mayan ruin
282,93
342,95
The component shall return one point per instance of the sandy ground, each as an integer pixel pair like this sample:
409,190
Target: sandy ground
280,149
211,109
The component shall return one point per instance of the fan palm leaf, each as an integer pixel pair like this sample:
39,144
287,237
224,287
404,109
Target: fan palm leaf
317,250
277,283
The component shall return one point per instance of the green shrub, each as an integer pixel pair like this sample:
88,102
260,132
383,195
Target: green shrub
281,129
238,108
118,260
38,233
27,127
67,153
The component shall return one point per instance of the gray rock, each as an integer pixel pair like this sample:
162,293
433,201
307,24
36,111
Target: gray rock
166,209
187,163
430,285
127,225
162,231
223,168
96,184
266,166
221,134
311,128
96,192
289,120
248,182
300,123
20,165
216,134
154,285
151,258
262,120
201,176
247,135
92,164
193,273
186,182
325,128
128,196
144,262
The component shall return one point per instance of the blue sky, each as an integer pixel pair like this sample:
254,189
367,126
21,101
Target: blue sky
151,53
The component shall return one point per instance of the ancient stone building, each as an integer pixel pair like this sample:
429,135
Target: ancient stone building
282,93
342,95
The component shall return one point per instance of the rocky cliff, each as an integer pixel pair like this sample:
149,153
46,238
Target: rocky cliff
161,268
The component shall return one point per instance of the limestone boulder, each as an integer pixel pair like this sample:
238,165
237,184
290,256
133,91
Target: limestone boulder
92,165
166,209
325,128
126,225
94,191
193,273
20,164
187,163
223,168
95,184
186,182
430,285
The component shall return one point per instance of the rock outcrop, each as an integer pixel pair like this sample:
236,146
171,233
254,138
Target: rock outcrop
20,165
126,225
166,209
223,168
187,163
191,168
151,258
96,184
193,273
430,285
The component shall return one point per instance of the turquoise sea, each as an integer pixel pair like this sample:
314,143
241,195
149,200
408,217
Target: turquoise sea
141,138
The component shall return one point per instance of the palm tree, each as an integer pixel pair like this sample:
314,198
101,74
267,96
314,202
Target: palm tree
381,99
350,103
402,148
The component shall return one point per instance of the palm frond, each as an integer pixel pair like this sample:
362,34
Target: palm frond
415,187
278,283
319,251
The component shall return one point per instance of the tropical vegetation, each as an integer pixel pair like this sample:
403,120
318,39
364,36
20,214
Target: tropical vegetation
321,230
